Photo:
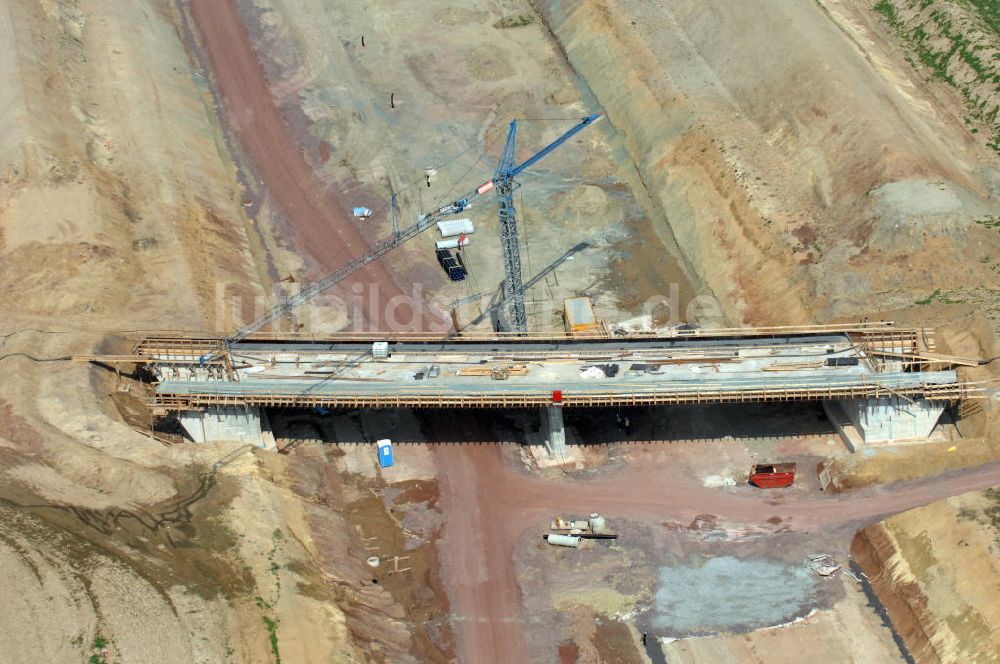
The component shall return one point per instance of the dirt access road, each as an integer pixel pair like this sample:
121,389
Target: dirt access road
489,504
320,226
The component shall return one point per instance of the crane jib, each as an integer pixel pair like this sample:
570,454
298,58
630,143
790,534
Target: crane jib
530,161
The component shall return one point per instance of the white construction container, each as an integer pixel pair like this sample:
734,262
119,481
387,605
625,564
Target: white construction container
453,242
453,227
380,350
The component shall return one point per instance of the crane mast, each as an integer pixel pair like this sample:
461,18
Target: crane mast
514,318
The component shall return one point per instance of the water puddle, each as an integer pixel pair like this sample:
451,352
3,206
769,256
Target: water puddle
729,594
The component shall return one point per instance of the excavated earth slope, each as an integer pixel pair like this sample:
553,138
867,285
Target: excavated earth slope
805,169
120,209
935,569
804,172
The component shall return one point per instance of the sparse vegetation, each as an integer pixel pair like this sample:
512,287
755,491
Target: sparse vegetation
885,8
968,514
992,512
98,651
952,52
272,630
989,10
274,568
514,21
940,296
930,298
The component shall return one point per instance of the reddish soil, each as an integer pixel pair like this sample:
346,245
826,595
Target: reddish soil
488,504
319,225
568,653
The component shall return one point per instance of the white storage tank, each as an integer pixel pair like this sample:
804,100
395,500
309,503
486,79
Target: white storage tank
597,524
380,350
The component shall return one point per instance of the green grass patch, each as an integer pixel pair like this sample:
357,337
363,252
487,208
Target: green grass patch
930,298
939,296
100,643
885,8
989,11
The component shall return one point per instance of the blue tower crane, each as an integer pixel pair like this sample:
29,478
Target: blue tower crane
505,185
513,316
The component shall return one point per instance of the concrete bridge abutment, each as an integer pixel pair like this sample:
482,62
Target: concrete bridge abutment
881,420
244,424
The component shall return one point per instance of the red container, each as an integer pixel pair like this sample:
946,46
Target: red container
556,396
772,475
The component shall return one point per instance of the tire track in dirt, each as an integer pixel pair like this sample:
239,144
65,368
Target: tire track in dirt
318,225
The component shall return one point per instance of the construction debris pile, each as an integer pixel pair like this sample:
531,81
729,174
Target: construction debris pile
572,531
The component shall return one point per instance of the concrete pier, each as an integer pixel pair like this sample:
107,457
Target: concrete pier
554,431
887,419
228,423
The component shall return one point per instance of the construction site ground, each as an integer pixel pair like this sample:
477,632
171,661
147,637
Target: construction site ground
678,504
180,165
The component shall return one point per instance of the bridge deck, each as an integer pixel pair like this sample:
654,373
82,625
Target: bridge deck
822,364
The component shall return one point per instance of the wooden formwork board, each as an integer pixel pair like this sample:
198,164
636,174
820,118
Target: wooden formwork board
934,392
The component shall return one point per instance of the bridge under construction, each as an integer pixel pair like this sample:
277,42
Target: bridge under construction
883,382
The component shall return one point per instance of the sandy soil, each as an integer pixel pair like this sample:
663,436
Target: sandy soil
454,98
120,209
477,567
793,173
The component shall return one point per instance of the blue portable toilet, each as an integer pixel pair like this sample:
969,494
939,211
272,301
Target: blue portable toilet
385,459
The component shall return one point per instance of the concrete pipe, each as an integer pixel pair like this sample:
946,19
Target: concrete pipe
452,243
571,541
